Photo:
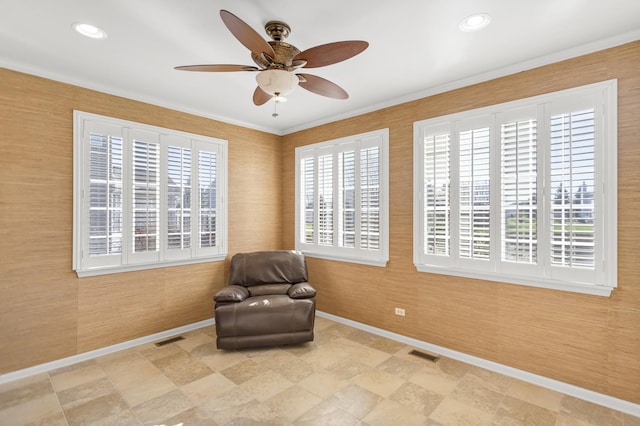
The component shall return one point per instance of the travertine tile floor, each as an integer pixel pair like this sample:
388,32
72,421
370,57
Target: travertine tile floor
345,377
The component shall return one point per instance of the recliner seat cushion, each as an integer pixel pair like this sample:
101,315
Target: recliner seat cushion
264,289
265,315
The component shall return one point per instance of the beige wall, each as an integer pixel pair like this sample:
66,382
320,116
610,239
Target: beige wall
588,341
46,311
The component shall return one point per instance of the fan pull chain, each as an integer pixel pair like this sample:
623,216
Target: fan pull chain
276,100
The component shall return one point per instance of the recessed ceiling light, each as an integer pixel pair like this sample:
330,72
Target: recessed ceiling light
89,30
475,22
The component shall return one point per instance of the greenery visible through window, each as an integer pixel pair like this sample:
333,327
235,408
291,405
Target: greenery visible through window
145,197
523,192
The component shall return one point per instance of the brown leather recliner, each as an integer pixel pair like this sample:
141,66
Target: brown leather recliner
268,301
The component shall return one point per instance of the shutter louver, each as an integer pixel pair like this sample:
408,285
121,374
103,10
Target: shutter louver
572,186
370,198
347,176
436,195
474,194
325,200
207,180
519,191
309,200
178,197
146,193
105,194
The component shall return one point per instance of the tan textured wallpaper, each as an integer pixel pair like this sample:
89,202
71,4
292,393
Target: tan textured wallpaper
588,341
46,311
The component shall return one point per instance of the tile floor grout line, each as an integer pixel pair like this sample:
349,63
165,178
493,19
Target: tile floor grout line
64,415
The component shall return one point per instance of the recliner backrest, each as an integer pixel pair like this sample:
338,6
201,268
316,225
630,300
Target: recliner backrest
267,267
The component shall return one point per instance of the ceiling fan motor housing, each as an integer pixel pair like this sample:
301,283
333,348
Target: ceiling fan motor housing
282,58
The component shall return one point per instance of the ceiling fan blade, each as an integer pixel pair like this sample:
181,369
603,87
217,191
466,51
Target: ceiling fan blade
321,86
260,97
217,68
246,35
327,54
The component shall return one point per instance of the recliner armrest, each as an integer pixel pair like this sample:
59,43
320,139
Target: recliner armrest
231,293
302,290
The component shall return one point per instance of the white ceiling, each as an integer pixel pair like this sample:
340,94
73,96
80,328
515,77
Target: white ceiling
416,48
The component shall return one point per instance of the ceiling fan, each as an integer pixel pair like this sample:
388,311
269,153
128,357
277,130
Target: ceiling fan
278,61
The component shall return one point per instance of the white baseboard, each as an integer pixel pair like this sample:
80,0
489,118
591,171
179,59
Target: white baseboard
75,359
558,386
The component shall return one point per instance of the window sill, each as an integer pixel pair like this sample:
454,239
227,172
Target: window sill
594,290
370,262
141,267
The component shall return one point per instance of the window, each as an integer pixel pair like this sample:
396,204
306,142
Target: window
145,197
523,192
342,199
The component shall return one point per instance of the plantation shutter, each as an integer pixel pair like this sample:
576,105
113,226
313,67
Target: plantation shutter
104,198
145,190
138,197
179,197
436,194
207,183
341,206
370,198
573,206
533,196
519,180
347,207
474,192
325,200
308,197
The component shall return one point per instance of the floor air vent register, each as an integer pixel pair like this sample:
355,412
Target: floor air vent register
424,355
171,340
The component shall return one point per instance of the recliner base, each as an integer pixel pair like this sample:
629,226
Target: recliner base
267,340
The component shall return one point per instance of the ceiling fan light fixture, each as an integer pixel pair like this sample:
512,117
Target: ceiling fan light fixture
89,30
277,82
475,22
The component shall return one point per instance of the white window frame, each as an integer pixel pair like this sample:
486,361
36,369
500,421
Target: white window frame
602,279
85,265
357,254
